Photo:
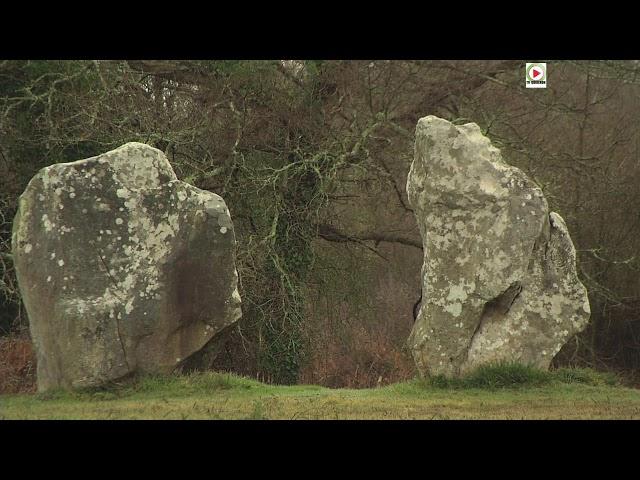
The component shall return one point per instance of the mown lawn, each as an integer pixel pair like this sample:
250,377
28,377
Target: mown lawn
511,392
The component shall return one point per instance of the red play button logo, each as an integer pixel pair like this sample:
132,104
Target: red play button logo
536,75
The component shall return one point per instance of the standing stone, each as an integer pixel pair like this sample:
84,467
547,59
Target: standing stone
499,275
122,268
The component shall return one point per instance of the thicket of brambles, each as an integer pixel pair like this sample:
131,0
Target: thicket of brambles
312,158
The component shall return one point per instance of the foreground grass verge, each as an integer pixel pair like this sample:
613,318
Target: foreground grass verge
497,392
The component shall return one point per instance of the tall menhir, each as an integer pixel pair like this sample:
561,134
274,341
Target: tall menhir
499,275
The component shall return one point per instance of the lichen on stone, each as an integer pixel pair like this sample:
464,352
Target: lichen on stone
492,251
127,279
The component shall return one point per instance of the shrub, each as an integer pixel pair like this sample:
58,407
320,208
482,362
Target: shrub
17,365
515,375
496,375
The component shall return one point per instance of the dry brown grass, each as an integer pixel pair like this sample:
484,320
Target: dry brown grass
17,365
362,358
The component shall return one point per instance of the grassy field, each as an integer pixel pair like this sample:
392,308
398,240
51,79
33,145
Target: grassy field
501,392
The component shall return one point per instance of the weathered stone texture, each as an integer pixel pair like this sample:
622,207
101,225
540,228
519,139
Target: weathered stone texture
499,277
122,267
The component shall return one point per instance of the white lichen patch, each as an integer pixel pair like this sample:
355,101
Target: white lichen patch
48,225
123,192
128,308
236,295
490,186
556,302
454,309
459,292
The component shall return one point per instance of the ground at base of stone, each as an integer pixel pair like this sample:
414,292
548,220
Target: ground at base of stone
225,396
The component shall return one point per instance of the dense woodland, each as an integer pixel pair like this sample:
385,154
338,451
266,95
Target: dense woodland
311,158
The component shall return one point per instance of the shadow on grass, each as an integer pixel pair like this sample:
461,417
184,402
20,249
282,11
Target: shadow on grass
174,385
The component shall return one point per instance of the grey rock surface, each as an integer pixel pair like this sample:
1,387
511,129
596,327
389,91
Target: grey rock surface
499,275
122,267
